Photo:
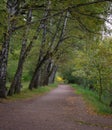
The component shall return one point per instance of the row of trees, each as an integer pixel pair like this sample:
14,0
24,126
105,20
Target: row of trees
95,68
49,28
91,67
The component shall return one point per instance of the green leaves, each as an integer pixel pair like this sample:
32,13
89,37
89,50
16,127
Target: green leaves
65,39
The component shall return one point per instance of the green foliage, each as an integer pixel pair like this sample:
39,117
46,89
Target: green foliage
84,22
91,67
95,65
11,70
92,100
3,19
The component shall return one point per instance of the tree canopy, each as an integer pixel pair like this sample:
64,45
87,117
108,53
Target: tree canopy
38,37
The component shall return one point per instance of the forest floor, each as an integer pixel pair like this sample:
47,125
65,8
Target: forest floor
60,109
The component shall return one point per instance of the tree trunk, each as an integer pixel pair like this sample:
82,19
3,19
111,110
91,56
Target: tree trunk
42,58
35,81
3,64
12,9
38,81
53,75
16,83
47,71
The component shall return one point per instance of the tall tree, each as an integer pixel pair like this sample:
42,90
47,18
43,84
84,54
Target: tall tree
12,10
16,83
52,48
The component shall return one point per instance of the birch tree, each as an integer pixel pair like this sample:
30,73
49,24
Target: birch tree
12,10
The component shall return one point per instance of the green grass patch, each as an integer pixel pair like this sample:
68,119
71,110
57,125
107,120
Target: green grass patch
91,97
26,93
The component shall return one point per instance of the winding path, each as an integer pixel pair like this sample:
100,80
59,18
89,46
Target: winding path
59,109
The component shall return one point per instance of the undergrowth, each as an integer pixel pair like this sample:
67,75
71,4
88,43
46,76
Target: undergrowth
91,97
26,93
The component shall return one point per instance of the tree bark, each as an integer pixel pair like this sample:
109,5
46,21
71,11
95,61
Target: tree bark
42,57
35,77
53,75
16,83
3,64
45,72
12,9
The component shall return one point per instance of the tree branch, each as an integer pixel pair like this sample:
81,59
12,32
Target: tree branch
89,3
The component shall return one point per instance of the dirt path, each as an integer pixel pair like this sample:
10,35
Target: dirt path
60,109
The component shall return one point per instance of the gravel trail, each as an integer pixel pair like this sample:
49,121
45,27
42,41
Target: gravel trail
60,109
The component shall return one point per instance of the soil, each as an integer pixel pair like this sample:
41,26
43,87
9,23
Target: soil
60,109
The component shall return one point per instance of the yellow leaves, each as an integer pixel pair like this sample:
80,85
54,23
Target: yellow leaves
59,79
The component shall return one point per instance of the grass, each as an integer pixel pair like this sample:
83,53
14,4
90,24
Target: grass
91,97
26,93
